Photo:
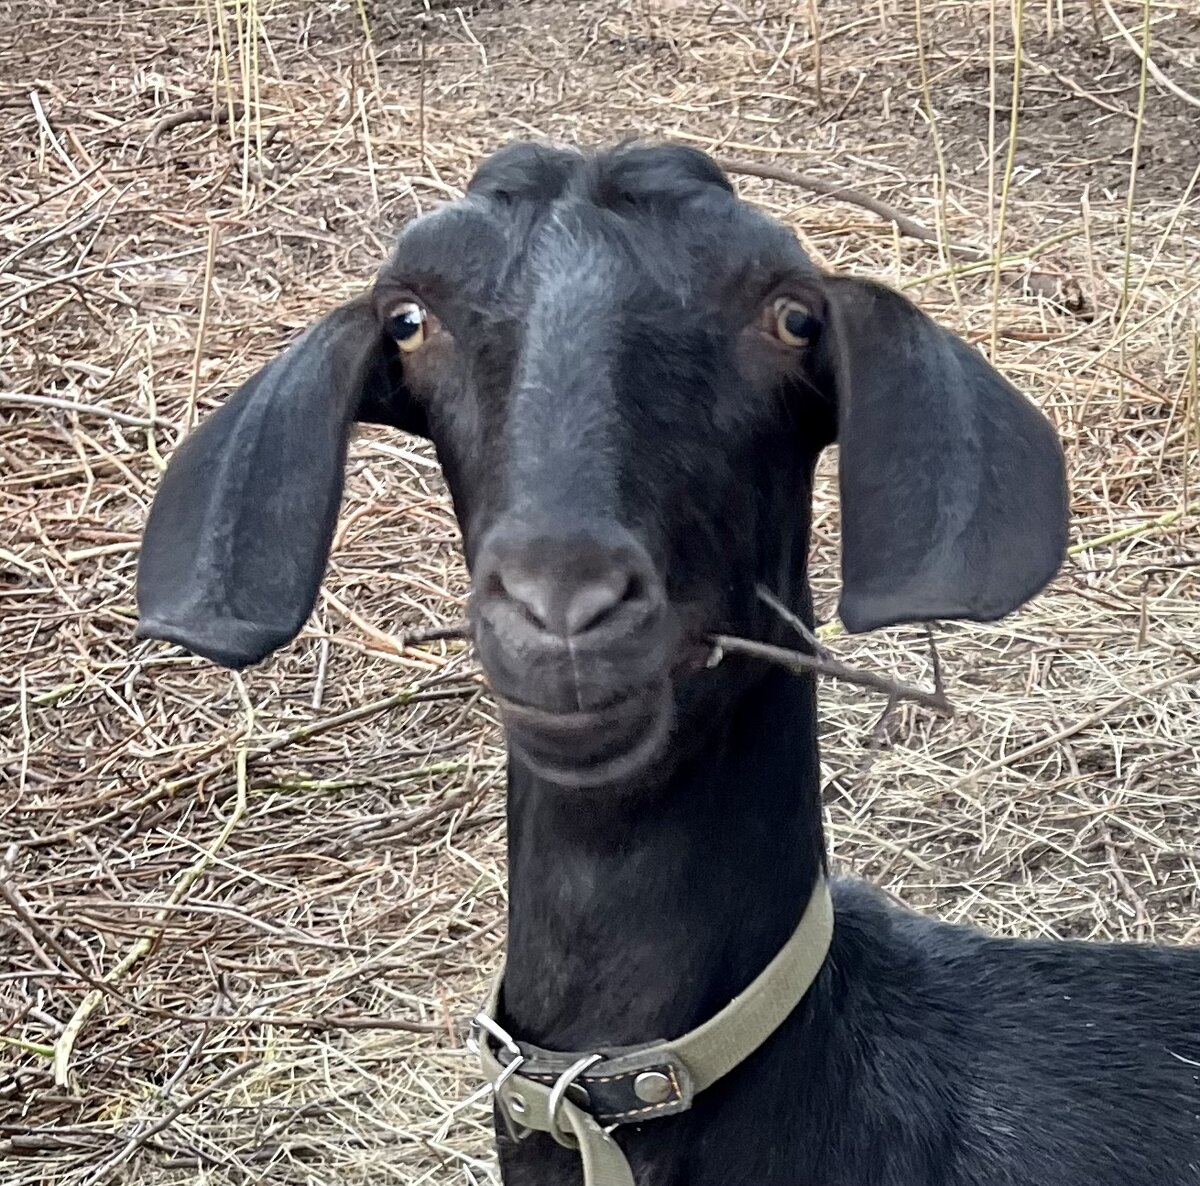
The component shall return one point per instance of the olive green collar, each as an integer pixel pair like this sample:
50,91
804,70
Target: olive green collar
578,1098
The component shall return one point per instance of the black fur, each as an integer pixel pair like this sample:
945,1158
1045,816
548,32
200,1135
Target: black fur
925,1055
622,431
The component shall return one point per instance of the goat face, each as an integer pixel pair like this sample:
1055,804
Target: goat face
628,375
602,375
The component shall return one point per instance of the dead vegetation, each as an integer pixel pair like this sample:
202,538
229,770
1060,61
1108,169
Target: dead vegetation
243,919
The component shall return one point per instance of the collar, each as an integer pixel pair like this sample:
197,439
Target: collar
579,1097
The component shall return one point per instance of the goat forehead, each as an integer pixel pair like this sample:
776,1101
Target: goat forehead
584,253
586,241
622,246
572,283
674,269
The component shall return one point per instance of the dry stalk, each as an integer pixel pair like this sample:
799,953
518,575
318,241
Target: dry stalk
799,662
197,114
1134,160
1043,284
210,256
63,1048
1010,160
1134,529
1143,54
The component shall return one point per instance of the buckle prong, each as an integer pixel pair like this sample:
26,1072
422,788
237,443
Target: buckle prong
483,1024
482,1028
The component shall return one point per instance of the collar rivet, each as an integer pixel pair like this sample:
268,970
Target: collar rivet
652,1087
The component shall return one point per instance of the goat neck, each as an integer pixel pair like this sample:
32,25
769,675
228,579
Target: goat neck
638,917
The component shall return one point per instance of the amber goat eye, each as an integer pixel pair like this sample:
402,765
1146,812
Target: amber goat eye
795,324
408,325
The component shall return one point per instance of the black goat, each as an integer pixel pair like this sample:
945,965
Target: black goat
628,375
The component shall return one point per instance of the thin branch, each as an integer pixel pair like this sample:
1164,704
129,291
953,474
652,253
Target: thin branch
938,685
454,631
1042,284
139,1138
794,621
21,399
845,193
20,908
879,734
1083,723
65,1045
798,662
1131,895
192,115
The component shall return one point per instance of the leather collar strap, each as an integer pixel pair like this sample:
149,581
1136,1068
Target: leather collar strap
577,1098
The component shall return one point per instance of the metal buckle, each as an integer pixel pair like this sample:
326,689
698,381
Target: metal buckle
558,1093
483,1027
481,1023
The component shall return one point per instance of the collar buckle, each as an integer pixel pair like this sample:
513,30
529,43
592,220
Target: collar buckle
554,1088
481,1030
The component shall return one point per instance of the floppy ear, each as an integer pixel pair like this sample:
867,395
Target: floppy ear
240,529
953,491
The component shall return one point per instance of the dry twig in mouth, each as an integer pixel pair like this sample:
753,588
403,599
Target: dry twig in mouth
822,663
819,659
794,621
799,661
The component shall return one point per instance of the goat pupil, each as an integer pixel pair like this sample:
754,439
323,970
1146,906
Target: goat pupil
800,324
404,325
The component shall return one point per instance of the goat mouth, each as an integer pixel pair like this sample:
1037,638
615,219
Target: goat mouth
593,747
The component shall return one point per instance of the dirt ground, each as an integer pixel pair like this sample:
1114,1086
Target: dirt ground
243,920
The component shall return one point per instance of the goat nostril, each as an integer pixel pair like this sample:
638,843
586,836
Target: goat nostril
591,605
517,593
532,597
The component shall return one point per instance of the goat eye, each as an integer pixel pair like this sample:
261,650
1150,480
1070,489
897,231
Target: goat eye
794,323
408,325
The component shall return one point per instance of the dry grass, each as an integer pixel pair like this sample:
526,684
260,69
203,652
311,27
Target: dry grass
289,891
